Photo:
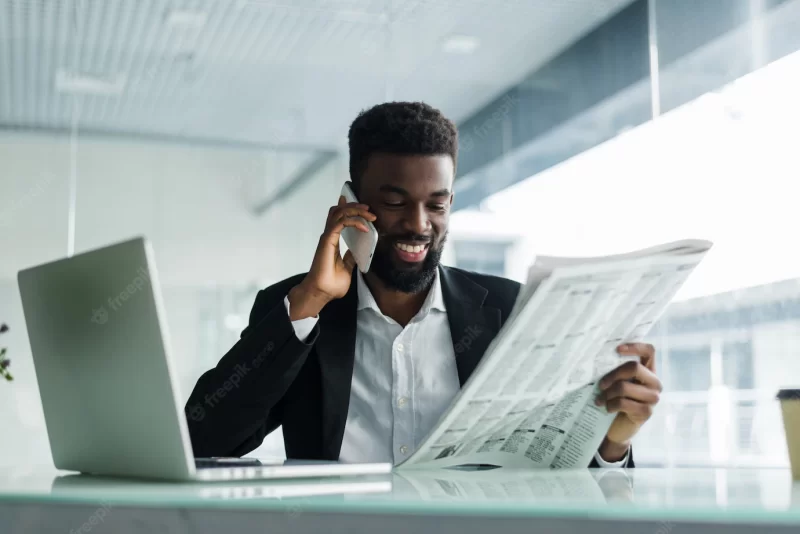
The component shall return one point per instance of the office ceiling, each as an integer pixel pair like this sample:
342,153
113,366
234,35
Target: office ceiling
277,73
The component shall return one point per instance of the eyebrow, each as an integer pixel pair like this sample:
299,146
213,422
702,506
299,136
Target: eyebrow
401,191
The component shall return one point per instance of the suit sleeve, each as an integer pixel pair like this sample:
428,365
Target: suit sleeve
628,462
237,403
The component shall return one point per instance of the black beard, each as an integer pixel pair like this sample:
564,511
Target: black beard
404,280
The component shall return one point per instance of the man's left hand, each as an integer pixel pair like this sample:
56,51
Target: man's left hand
631,391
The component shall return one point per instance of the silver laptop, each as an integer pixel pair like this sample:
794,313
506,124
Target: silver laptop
98,336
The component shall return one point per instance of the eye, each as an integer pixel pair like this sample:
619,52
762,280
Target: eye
393,204
438,207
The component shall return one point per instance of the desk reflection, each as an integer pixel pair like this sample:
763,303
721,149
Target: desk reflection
111,487
655,489
414,485
590,486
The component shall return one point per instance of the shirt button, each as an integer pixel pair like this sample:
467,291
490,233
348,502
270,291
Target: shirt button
404,449
402,401
400,347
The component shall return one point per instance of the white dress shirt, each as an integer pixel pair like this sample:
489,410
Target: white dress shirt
403,379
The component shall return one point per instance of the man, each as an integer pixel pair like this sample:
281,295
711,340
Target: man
359,368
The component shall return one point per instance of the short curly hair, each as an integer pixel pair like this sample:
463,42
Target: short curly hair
413,128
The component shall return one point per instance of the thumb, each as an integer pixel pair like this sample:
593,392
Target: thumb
349,260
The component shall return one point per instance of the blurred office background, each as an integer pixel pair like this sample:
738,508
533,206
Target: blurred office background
217,129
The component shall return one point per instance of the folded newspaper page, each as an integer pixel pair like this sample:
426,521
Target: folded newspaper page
530,402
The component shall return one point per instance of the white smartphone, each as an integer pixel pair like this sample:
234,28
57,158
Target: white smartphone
362,244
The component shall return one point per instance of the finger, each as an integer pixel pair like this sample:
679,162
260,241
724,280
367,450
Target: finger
631,371
638,411
342,204
358,205
337,223
330,237
350,211
645,351
349,260
354,222
628,390
355,211
333,233
347,222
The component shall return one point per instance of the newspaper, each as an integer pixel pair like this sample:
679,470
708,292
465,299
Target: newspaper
530,402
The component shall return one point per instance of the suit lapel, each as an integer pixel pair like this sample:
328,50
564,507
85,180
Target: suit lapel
335,348
473,326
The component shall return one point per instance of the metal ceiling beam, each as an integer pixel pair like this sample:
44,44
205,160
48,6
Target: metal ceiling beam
105,135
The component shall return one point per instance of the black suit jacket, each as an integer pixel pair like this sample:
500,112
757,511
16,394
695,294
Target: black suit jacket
271,378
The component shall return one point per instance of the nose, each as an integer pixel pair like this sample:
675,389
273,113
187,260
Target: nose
416,220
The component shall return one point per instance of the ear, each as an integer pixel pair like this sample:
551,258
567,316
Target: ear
453,185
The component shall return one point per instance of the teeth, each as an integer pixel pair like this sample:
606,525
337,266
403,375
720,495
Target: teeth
410,248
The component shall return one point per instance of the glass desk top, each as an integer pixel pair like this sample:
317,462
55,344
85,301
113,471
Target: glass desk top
717,495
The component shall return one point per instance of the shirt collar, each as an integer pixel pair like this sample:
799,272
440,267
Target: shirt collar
434,300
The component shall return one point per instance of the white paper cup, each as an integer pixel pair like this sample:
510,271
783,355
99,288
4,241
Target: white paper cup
790,406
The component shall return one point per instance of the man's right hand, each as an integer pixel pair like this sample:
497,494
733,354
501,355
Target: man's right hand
330,274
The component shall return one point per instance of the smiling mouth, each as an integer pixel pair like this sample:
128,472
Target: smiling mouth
411,252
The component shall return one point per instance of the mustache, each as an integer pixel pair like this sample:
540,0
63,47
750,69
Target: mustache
414,238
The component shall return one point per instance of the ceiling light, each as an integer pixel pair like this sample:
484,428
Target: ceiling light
186,20
74,83
460,44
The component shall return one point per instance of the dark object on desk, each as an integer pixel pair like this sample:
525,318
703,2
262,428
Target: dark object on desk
305,386
205,463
